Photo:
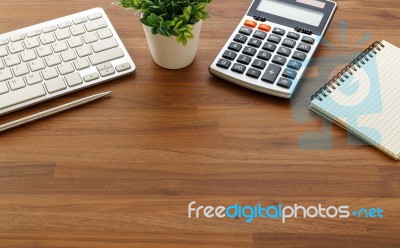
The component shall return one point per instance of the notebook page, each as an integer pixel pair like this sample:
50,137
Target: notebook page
368,103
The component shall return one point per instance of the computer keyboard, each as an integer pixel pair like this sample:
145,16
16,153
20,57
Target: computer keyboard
54,58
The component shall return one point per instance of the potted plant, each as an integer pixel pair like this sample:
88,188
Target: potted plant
172,28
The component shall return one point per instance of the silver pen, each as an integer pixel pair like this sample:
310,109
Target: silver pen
52,111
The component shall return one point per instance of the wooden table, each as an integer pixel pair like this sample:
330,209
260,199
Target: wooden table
121,172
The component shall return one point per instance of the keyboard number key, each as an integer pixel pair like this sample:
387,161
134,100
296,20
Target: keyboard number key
264,55
223,63
244,59
229,55
238,68
259,64
255,43
249,51
240,38
269,47
235,47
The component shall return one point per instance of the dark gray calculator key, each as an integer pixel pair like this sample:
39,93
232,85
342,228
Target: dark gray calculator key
278,31
264,55
285,83
269,47
223,63
254,73
246,30
289,43
271,74
289,74
249,51
304,47
284,51
235,46
279,60
299,56
240,38
260,35
259,64
274,39
244,59
254,43
293,35
229,55
238,68
294,64
308,40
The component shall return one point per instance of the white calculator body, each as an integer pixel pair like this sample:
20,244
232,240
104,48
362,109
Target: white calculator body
273,44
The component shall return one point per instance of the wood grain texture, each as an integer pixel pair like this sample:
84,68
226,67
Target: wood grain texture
120,172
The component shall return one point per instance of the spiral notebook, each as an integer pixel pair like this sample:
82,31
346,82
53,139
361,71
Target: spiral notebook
364,98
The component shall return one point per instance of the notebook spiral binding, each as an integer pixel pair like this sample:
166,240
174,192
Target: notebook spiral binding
361,60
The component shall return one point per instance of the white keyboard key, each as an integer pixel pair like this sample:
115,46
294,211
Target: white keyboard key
20,70
79,20
5,74
28,56
107,72
81,64
83,51
22,95
68,55
64,24
104,45
104,66
104,33
108,55
95,25
17,38
3,41
75,42
15,47
3,88
73,79
44,51
95,16
52,60
91,77
36,65
33,78
59,46
3,51
49,29
123,67
49,73
65,68
77,30
47,39
55,84
12,60
31,43
33,33
2,66
89,38
62,34
17,83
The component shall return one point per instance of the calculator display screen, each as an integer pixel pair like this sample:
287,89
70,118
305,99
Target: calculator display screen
292,12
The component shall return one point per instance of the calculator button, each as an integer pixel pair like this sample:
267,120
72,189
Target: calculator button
284,51
279,60
278,31
264,27
294,64
235,47
289,74
246,30
294,36
238,68
260,35
254,43
264,55
299,56
274,38
304,47
259,64
271,73
240,38
289,43
229,55
308,40
269,47
253,73
250,23
244,59
223,63
285,83
249,51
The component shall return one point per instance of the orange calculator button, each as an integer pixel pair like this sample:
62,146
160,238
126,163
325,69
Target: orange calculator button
264,27
250,23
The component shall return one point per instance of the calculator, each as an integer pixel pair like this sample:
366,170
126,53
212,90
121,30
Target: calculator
273,44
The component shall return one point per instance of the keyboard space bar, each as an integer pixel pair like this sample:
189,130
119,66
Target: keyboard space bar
108,55
22,95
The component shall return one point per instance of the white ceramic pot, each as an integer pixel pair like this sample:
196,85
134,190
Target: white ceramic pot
170,54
